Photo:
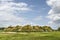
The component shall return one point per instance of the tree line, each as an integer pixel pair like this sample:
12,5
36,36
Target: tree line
28,28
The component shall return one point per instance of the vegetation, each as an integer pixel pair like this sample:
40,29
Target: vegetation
29,32
30,36
28,28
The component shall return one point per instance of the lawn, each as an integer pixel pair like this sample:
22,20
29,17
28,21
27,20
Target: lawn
30,36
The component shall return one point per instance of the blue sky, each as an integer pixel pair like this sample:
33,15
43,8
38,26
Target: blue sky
34,12
39,8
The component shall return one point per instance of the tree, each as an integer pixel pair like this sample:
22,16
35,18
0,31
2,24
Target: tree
27,28
47,28
18,28
8,29
37,28
13,28
58,29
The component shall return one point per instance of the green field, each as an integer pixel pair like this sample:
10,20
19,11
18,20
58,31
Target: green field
30,36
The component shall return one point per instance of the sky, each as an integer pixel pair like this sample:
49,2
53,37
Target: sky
33,12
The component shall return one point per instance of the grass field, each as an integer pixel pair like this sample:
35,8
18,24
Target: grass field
30,36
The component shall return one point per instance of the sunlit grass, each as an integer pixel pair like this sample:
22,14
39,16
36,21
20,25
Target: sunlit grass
30,36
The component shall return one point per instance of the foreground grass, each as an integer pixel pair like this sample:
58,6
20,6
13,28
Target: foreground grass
30,36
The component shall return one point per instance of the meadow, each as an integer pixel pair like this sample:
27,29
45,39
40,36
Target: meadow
30,36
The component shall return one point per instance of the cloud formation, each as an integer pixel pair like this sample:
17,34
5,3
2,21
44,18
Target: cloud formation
54,13
7,10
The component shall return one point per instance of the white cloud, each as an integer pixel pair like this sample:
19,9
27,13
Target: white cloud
51,2
54,13
7,10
